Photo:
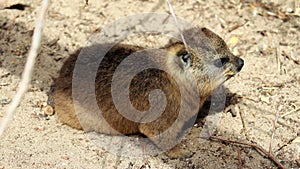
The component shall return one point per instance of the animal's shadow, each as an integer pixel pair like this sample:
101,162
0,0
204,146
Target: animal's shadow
218,105
15,43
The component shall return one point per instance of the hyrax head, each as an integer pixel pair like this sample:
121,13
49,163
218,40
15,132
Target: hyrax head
210,62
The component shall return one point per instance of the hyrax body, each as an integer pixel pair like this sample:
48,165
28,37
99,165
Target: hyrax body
210,65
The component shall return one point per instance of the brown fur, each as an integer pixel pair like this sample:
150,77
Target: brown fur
200,66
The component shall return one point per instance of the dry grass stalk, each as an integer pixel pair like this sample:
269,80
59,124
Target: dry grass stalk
27,73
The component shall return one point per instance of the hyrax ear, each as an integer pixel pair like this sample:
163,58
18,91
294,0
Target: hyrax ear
211,35
216,41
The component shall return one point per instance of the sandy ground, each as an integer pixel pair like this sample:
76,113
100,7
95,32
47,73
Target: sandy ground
265,35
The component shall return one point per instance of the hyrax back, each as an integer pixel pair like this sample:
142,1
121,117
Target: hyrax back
210,67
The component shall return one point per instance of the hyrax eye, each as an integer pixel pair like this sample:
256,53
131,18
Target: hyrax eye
185,58
221,62
181,53
184,55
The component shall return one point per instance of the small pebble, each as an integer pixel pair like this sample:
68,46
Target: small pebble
5,101
48,110
130,165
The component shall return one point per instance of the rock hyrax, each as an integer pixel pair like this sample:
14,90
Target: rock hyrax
211,64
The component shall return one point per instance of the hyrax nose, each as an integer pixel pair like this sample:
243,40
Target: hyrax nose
240,64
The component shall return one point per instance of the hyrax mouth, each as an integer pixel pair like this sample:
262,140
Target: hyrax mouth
240,64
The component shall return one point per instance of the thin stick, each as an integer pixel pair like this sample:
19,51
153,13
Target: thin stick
177,24
245,129
278,62
26,76
278,108
288,113
298,162
253,145
240,160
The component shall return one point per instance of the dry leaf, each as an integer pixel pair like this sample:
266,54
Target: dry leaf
234,40
282,15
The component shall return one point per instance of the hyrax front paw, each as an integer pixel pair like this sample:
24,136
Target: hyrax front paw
179,152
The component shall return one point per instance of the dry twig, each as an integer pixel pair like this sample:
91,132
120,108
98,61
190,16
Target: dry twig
290,112
245,129
177,23
278,109
240,160
279,67
253,145
298,162
27,73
